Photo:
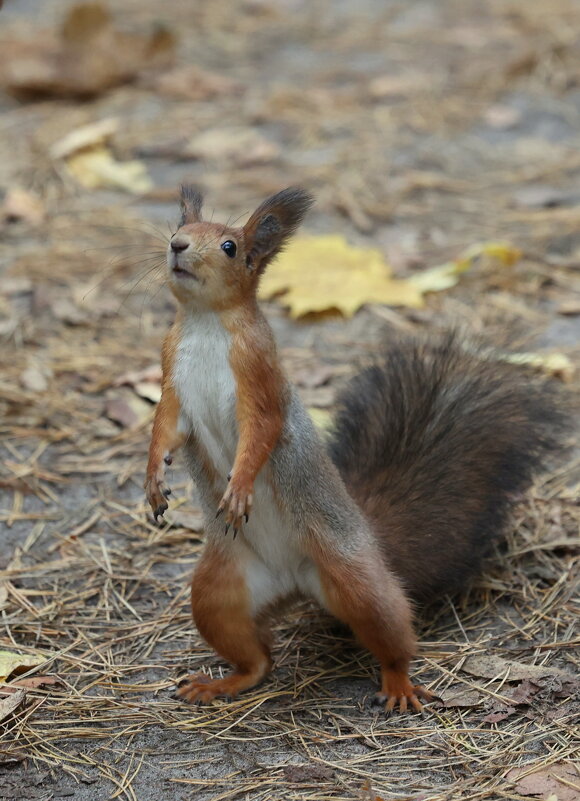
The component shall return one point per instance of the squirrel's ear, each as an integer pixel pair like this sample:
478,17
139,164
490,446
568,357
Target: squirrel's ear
191,202
272,224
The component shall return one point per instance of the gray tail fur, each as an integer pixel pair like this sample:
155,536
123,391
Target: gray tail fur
435,444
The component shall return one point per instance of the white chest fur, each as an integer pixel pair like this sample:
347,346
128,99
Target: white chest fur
268,548
205,386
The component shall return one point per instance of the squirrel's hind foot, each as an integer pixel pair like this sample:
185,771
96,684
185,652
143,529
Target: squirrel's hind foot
398,692
199,688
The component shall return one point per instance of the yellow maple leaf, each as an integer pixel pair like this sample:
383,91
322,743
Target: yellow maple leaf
96,167
447,275
11,663
319,273
322,273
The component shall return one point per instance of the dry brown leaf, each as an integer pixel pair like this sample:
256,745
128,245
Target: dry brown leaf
488,666
85,58
312,377
460,697
34,379
152,374
192,519
22,206
240,146
33,682
67,312
9,704
3,594
297,774
127,409
498,715
502,117
559,780
148,390
193,83
570,308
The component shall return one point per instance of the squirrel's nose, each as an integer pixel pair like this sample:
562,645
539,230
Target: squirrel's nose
179,243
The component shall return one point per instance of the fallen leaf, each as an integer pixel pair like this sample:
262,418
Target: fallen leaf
22,206
12,664
298,774
97,168
497,717
321,418
86,137
240,146
495,667
9,704
435,279
318,274
502,117
67,312
127,409
560,780
192,520
312,377
151,374
570,308
523,694
324,273
193,83
540,196
392,86
148,390
33,682
34,379
460,697
557,365
85,58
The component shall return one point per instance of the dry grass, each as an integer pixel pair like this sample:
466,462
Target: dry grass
87,581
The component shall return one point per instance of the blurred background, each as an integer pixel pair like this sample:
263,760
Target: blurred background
442,141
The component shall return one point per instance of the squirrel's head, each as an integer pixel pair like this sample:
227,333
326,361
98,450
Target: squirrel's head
216,266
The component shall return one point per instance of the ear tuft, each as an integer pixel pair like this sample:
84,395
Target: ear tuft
191,201
273,223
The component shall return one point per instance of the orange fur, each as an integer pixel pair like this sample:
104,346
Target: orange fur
260,404
363,593
221,610
165,439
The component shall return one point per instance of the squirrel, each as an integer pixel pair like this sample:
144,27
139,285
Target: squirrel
430,447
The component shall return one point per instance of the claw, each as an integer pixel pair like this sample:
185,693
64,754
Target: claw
227,528
235,532
168,459
219,511
167,492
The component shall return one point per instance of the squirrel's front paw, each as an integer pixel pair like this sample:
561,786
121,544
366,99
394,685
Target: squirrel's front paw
157,493
237,502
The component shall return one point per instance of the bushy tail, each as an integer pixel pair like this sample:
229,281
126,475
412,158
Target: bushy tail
434,443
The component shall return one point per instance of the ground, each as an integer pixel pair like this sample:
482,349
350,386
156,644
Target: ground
423,128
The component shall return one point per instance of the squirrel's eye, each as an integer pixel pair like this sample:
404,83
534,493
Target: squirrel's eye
229,248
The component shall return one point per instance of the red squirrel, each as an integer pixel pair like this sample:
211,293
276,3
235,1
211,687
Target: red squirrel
430,445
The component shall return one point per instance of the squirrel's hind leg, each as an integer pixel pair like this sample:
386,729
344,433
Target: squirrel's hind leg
360,590
220,603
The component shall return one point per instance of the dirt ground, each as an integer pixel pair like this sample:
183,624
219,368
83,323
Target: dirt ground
423,127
